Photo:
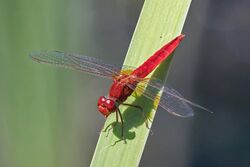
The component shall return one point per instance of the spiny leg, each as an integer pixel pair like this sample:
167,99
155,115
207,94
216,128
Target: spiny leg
143,114
107,129
141,109
116,116
117,120
131,105
122,123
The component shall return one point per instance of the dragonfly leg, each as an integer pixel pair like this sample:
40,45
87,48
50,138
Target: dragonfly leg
107,129
117,120
135,106
122,122
143,114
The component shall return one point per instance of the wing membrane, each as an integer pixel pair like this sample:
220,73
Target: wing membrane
171,100
77,62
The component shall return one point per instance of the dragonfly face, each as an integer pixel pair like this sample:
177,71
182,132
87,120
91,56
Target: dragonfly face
106,106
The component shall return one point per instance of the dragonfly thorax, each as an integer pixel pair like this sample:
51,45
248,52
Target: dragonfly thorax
106,105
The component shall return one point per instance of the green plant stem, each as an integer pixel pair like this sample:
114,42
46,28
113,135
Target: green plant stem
159,22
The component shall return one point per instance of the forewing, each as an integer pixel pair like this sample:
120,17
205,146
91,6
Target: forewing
77,62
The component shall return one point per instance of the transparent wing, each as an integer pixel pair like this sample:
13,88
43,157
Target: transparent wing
77,62
171,100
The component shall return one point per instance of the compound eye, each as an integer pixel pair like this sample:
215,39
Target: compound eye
110,104
108,101
101,100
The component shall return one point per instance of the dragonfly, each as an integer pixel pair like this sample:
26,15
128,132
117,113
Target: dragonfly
126,81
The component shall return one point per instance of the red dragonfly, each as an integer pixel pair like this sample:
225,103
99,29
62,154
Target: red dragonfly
125,81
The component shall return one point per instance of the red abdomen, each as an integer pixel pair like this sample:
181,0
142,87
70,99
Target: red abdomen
149,65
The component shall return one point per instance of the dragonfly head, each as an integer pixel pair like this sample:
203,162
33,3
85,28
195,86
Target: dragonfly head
106,105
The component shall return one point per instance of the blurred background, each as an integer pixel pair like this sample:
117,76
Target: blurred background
48,116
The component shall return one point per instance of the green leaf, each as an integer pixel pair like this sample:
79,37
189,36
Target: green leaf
159,22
